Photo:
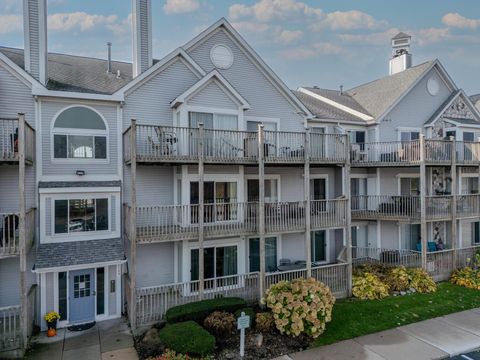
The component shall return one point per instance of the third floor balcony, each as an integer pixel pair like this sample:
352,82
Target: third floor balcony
10,140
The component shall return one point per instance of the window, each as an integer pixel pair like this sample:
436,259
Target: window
411,237
79,133
218,262
62,295
409,186
100,290
271,190
270,254
406,136
81,215
220,200
213,121
469,185
476,233
81,286
468,136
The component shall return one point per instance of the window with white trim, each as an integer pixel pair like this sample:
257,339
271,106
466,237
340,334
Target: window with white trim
81,215
79,133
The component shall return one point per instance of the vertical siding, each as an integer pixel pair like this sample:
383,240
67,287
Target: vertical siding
150,102
144,34
48,215
49,292
264,98
10,281
154,185
112,297
9,201
212,95
49,110
34,24
156,264
113,207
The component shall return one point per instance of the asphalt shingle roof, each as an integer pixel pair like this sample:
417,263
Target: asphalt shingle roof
79,253
377,96
323,110
475,98
78,73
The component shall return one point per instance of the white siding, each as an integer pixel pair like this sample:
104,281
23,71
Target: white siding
212,96
112,296
10,282
155,264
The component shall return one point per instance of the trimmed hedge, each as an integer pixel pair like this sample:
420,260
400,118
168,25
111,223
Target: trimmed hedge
187,338
199,310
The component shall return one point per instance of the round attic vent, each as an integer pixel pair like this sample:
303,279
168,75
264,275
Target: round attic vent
221,56
432,86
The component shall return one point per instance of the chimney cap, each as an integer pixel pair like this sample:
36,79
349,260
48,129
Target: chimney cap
401,35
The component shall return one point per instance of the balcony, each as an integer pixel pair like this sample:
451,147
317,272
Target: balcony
178,222
9,141
164,144
10,232
468,206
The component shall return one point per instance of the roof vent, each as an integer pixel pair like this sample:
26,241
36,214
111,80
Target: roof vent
341,89
109,57
315,87
118,74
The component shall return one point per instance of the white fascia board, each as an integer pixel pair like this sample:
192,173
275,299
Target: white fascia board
81,190
197,86
337,105
40,91
460,125
152,70
79,267
336,122
429,124
258,61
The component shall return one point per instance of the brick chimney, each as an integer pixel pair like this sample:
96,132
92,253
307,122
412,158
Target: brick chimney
35,38
141,35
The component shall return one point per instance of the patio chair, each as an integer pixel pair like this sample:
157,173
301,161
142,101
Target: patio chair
230,149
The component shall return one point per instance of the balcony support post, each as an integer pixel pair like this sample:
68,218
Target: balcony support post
133,226
423,208
22,243
453,174
308,210
261,206
201,214
348,218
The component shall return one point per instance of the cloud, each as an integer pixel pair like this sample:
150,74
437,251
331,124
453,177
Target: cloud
11,23
79,21
350,20
432,35
180,6
374,38
313,50
273,32
268,10
455,20
289,36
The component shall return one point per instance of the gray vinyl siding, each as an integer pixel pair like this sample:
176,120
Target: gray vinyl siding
389,235
264,98
212,95
144,34
48,216
415,109
112,296
113,207
150,102
10,281
154,186
157,265
49,111
49,290
389,178
9,198
34,39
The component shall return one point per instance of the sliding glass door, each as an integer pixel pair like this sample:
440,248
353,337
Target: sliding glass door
220,199
270,254
220,261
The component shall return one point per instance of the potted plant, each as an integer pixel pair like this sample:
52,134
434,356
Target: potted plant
51,319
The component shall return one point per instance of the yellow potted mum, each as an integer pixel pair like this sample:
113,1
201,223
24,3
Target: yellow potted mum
51,319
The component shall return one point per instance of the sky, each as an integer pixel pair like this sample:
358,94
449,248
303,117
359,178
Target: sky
327,43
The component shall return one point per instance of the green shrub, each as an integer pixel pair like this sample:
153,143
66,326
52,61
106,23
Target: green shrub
301,306
248,311
264,322
397,279
220,323
187,338
368,286
198,311
421,281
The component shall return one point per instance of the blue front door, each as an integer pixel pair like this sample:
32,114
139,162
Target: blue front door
82,296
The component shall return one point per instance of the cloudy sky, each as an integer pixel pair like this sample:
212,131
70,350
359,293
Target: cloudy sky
323,42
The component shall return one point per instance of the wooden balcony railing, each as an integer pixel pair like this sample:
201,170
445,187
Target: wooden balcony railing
175,222
440,264
468,205
176,144
438,151
394,257
439,207
9,234
466,256
395,152
468,152
9,140
372,207
10,328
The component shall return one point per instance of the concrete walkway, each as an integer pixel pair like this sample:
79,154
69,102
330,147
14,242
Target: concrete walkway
109,339
437,338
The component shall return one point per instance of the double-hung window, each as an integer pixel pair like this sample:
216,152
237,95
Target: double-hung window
81,215
79,133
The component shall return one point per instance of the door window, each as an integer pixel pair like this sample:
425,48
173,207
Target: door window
270,254
469,185
468,136
271,190
81,286
318,189
409,186
319,246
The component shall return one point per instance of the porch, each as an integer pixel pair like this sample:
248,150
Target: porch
180,222
168,144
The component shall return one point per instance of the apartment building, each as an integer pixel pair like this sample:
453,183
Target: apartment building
134,187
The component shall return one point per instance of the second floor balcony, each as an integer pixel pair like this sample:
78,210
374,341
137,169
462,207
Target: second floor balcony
10,232
10,140
179,222
166,144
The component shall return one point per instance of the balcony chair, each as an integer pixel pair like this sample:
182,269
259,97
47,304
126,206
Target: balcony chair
167,139
431,247
230,149
358,153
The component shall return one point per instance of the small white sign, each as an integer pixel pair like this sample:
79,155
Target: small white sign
243,322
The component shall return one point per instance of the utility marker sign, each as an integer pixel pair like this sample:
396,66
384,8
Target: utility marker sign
243,322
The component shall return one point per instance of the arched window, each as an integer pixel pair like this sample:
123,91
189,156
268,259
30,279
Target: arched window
79,133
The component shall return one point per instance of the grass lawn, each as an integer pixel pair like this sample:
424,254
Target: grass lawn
353,317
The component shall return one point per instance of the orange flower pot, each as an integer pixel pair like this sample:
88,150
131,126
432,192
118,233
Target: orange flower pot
51,332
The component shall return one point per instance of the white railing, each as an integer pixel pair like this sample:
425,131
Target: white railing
29,143
394,152
127,144
438,207
438,151
388,206
284,216
440,264
10,328
328,147
8,139
230,146
9,234
328,213
394,257
468,205
335,276
466,256
290,275
468,152
284,146
154,301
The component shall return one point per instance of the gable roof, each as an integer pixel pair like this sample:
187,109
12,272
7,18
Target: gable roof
475,98
203,82
380,95
446,104
258,61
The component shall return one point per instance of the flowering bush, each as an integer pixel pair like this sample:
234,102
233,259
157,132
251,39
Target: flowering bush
220,323
264,322
51,316
300,307
172,355
368,286
421,281
466,277
397,279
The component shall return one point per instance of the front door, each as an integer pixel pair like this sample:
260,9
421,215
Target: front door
82,296
319,247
